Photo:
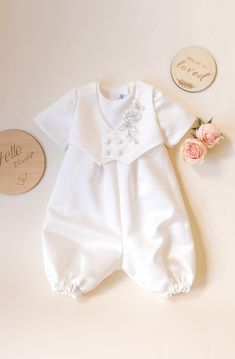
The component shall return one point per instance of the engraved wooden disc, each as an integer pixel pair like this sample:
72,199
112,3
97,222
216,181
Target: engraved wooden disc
193,69
22,161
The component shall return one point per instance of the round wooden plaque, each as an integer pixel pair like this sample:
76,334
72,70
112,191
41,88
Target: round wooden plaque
22,161
193,69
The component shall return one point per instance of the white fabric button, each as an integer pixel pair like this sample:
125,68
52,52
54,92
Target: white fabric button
107,152
107,141
120,152
120,141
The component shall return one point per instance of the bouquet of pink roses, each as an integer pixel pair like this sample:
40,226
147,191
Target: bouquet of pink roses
205,136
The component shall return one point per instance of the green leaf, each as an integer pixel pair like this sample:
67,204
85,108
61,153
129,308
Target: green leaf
200,121
197,123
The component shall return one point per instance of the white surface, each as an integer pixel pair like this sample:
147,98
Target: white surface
46,49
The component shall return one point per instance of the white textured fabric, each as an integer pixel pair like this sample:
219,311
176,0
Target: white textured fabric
116,203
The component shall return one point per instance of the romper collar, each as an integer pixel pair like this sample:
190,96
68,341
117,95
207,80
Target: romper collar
112,108
132,132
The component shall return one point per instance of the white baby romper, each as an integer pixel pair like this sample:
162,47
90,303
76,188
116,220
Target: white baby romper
116,203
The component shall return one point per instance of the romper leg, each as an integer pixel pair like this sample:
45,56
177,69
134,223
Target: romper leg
159,251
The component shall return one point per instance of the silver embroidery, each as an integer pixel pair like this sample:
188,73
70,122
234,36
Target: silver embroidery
131,117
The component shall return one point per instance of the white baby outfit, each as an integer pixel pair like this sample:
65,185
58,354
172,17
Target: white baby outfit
116,203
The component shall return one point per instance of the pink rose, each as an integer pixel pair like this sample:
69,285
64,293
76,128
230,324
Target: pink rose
209,134
193,151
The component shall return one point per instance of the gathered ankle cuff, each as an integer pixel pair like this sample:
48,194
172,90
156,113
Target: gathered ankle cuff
67,289
179,287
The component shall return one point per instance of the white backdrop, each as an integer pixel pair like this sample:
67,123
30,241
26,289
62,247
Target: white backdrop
47,48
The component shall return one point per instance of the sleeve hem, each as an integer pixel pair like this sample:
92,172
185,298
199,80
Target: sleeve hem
56,120
185,129
39,123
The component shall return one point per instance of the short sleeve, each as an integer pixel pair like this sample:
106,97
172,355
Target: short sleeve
174,120
55,121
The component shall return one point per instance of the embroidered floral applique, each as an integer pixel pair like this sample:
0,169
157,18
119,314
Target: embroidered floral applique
131,117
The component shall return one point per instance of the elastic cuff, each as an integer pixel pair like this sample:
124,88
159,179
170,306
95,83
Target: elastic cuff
67,289
179,287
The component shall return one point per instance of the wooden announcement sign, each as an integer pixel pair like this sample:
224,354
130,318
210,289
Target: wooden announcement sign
193,69
22,161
